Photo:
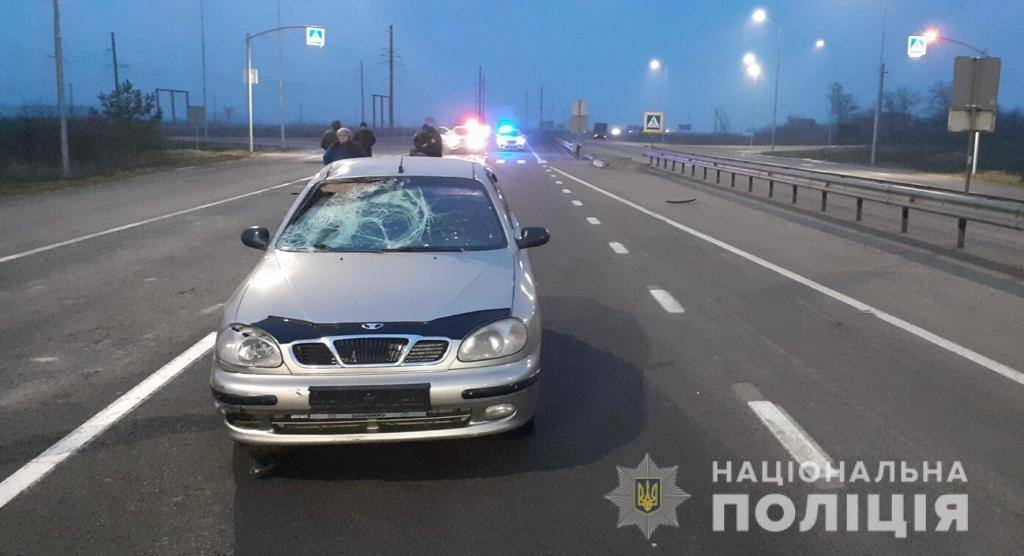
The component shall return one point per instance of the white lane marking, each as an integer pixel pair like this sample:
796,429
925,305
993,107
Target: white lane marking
520,161
45,359
946,344
618,247
793,438
499,161
566,191
80,239
666,300
311,157
577,203
537,156
41,465
593,220
211,308
183,168
558,182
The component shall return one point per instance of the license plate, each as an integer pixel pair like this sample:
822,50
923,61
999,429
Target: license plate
410,400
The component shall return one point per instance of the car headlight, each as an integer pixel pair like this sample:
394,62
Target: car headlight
247,346
497,339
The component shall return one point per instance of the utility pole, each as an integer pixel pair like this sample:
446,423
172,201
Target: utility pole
202,39
71,100
113,52
391,77
280,75
58,55
480,93
540,119
881,86
526,111
362,94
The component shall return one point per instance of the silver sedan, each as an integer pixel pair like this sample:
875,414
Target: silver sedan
395,302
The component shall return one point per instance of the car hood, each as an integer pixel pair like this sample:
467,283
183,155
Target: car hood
376,287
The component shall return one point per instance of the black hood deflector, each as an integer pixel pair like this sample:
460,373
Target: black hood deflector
456,327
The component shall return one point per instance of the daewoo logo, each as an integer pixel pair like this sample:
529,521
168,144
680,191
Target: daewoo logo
373,325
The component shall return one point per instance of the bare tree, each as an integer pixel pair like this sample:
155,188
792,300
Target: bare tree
939,99
840,103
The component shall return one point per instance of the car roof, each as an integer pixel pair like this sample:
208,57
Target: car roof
411,165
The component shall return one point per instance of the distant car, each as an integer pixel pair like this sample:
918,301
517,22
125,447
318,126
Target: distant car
395,302
510,139
466,139
600,130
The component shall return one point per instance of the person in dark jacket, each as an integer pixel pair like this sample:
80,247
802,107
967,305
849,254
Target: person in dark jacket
427,142
343,148
365,138
330,136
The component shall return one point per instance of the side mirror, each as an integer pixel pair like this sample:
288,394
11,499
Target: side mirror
534,236
256,237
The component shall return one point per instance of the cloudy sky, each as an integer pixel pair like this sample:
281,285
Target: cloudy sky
595,50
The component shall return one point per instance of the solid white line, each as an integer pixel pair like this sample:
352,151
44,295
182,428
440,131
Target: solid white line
593,220
666,301
566,191
33,471
949,345
618,247
793,437
79,239
499,161
520,161
539,159
577,203
558,182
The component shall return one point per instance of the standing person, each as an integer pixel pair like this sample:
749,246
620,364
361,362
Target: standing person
365,138
330,136
343,148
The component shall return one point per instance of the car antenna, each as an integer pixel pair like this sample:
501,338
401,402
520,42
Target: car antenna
401,170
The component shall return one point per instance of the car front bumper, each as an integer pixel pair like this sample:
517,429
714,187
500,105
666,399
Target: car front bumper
274,410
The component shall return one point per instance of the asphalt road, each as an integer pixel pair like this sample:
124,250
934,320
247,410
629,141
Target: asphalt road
871,347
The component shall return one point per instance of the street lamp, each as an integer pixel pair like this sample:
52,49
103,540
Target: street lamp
820,45
248,62
760,16
749,58
754,70
655,64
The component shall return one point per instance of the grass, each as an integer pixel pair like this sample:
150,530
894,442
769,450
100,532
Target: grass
998,162
16,180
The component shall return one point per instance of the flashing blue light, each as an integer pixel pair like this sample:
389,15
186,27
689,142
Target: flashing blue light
505,128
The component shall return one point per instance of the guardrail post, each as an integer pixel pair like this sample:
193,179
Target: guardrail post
718,175
732,181
693,169
794,194
904,217
750,184
673,165
650,160
824,200
961,232
860,209
771,189
705,173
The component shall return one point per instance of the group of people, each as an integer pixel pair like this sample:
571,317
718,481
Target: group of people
340,143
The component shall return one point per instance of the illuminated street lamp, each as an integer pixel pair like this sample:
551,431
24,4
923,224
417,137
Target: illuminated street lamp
754,70
759,16
655,64
749,59
819,44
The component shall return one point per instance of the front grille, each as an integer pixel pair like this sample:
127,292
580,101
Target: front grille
283,424
370,351
313,353
426,351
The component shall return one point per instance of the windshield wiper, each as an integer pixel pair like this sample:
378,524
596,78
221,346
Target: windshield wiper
423,248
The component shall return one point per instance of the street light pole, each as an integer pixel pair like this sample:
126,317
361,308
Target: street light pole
778,71
202,35
58,54
248,81
881,86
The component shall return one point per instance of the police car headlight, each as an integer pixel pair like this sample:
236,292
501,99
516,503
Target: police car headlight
240,345
497,339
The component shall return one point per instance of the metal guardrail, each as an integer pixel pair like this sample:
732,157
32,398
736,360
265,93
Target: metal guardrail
999,211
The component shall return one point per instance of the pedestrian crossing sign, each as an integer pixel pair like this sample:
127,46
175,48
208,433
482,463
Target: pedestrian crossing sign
315,36
654,122
917,46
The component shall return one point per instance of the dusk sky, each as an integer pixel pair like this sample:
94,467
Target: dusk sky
597,51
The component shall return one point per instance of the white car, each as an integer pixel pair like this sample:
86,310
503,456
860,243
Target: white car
512,139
